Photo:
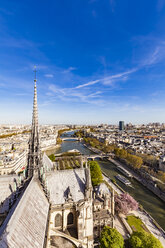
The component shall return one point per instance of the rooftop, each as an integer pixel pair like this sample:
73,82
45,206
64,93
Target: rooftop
28,220
60,183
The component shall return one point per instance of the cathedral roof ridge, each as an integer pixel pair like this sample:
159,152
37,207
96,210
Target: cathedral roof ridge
32,203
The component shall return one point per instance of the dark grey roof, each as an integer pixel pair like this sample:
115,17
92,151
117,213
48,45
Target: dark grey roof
27,225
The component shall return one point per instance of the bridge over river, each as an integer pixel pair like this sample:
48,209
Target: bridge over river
83,157
95,157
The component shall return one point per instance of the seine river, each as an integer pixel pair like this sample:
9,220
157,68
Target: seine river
151,203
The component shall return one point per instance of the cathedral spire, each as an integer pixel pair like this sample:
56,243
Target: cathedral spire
35,108
34,154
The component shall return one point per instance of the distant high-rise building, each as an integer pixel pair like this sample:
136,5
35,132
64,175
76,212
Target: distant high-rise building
121,125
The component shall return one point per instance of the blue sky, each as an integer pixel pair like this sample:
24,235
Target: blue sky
99,61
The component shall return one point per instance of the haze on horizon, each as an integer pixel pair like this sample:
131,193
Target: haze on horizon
97,61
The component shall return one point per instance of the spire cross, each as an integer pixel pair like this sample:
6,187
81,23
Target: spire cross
35,71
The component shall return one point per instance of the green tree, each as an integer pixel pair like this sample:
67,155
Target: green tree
135,242
111,238
144,240
96,175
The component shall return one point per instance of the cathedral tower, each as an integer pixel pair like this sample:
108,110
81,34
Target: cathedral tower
34,154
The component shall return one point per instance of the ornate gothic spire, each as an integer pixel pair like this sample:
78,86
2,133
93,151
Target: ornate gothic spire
35,108
34,154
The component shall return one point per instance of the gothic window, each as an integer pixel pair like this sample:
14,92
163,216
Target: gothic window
70,219
58,220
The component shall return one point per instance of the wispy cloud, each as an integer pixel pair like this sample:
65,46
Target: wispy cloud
109,80
88,84
70,69
85,93
95,94
151,50
75,95
118,77
49,75
153,57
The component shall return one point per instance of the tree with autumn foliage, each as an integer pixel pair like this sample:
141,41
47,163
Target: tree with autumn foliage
134,161
121,153
125,203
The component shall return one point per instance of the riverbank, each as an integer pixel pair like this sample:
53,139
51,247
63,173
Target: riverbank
149,186
141,180
50,149
149,221
95,150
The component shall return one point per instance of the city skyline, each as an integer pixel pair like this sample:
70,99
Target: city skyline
97,61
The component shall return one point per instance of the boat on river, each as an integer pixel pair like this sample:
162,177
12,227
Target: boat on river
123,180
74,150
124,171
